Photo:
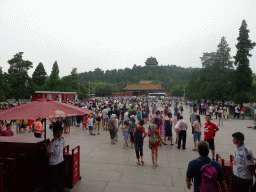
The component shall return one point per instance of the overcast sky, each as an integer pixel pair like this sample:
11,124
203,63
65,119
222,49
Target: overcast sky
115,34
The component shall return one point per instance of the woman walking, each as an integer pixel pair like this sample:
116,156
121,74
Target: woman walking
126,133
38,128
168,127
220,116
139,135
154,138
197,131
131,129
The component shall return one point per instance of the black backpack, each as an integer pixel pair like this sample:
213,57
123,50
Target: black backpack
138,135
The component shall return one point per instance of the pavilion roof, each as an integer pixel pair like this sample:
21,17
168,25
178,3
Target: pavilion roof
145,82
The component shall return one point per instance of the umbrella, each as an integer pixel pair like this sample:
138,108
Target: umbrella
42,108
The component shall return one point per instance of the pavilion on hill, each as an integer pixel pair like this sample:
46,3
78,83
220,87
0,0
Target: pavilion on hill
151,62
142,88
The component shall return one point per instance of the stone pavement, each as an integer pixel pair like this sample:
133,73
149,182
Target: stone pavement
108,168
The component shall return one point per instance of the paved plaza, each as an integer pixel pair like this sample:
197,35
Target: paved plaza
108,168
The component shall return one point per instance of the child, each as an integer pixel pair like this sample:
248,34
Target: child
139,135
18,126
56,160
85,118
90,124
126,133
8,132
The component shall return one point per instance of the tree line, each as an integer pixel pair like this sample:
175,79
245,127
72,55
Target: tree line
222,79
17,84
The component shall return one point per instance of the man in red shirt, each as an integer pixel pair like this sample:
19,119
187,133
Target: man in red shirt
209,133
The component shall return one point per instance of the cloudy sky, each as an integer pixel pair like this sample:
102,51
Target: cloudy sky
116,34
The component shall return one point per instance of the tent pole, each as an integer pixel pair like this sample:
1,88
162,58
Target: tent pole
45,157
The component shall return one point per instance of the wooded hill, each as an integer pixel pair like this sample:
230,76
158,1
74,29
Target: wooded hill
172,78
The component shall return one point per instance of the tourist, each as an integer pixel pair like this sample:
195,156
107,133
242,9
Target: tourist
220,116
2,125
161,126
139,135
8,132
182,125
211,108
38,128
243,111
194,169
192,118
105,118
56,160
154,138
175,120
30,123
131,129
251,112
125,130
18,126
181,108
243,166
78,120
197,125
190,107
168,127
209,133
85,119
90,124
237,112
97,121
112,128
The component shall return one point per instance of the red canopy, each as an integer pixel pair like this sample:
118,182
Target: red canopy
42,108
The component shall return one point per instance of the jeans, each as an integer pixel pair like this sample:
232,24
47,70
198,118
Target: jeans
182,136
56,177
139,149
242,185
220,120
197,136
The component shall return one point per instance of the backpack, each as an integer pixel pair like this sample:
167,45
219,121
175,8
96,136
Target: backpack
138,135
138,115
209,178
176,109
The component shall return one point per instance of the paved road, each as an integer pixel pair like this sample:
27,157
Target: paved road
108,168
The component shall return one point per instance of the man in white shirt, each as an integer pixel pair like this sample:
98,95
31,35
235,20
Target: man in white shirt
183,126
243,166
126,115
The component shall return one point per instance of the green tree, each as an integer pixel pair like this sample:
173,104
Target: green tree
242,80
18,77
39,75
54,81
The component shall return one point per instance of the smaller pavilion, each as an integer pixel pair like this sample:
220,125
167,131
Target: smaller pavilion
151,61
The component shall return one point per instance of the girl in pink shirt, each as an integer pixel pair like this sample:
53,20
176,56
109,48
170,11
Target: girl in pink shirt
38,128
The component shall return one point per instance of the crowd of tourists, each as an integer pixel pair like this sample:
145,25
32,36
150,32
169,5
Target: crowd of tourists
129,116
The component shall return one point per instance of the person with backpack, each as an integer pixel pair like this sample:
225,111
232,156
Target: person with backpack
154,138
112,128
139,135
131,129
207,174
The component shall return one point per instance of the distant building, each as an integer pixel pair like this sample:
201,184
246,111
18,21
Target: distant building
151,62
142,88
97,69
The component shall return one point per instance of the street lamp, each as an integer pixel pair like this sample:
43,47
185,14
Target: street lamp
184,94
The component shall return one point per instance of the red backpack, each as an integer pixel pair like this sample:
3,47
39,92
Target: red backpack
209,178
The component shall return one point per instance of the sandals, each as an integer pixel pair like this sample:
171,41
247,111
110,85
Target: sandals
138,163
98,133
171,144
113,143
164,143
142,162
194,149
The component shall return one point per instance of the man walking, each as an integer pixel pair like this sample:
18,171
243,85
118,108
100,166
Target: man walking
193,118
182,124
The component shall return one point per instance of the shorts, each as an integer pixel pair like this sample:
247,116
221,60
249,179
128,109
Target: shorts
105,120
97,124
211,144
112,134
90,128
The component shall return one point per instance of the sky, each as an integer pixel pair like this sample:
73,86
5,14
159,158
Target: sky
117,34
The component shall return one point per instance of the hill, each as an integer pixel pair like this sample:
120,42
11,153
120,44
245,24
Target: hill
172,78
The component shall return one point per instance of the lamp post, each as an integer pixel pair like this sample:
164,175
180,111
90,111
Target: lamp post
184,94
